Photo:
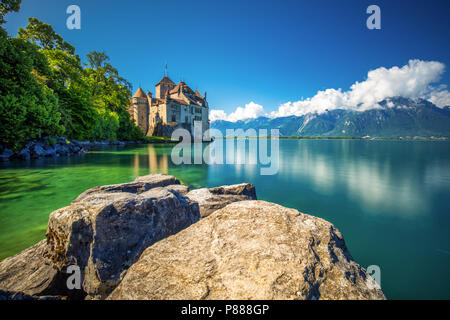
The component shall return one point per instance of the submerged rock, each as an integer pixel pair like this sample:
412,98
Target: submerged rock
213,199
250,250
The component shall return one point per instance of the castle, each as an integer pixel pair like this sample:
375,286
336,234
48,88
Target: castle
174,106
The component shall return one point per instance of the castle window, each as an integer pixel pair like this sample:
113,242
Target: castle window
174,118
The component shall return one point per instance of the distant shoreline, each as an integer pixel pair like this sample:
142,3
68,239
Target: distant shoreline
55,147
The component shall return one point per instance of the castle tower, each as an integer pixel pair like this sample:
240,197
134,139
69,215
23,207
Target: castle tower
141,109
163,86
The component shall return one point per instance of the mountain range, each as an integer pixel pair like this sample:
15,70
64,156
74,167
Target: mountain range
393,118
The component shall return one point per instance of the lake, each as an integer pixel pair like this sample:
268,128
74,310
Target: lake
390,199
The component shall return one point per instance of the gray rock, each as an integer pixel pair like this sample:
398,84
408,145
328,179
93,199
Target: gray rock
37,150
105,231
178,188
29,272
74,147
20,296
23,154
140,184
6,154
49,151
250,250
213,199
62,149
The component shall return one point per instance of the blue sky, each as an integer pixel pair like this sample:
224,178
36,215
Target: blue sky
269,52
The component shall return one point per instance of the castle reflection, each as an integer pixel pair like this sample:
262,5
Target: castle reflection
154,162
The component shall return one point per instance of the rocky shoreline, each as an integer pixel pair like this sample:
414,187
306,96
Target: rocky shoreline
154,239
57,147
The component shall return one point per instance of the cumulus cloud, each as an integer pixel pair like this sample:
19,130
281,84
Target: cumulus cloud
410,81
217,115
250,111
441,98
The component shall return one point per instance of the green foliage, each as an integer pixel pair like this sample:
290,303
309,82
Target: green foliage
7,6
111,92
45,91
68,80
107,88
107,126
128,131
28,107
44,36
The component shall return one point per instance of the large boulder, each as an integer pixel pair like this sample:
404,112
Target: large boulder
139,185
213,199
250,250
105,230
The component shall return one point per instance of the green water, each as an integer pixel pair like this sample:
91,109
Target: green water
390,199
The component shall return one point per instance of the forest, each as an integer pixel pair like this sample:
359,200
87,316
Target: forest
46,90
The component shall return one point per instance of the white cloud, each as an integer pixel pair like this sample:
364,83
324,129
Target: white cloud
250,111
217,115
410,81
440,98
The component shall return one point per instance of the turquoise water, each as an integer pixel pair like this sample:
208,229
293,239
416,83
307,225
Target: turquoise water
390,199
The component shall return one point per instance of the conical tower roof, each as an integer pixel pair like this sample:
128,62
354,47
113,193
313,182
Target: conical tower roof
140,94
166,80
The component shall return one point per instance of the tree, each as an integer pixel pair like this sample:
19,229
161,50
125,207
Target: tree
69,82
107,87
7,6
111,93
45,91
67,79
44,36
28,107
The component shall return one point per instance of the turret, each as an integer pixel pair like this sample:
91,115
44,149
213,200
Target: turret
140,110
163,86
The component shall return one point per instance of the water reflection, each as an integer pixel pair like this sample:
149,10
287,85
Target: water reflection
389,198
375,179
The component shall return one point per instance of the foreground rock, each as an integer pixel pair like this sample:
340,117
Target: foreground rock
106,229
138,186
250,250
214,199
29,272
141,240
103,232
7,295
